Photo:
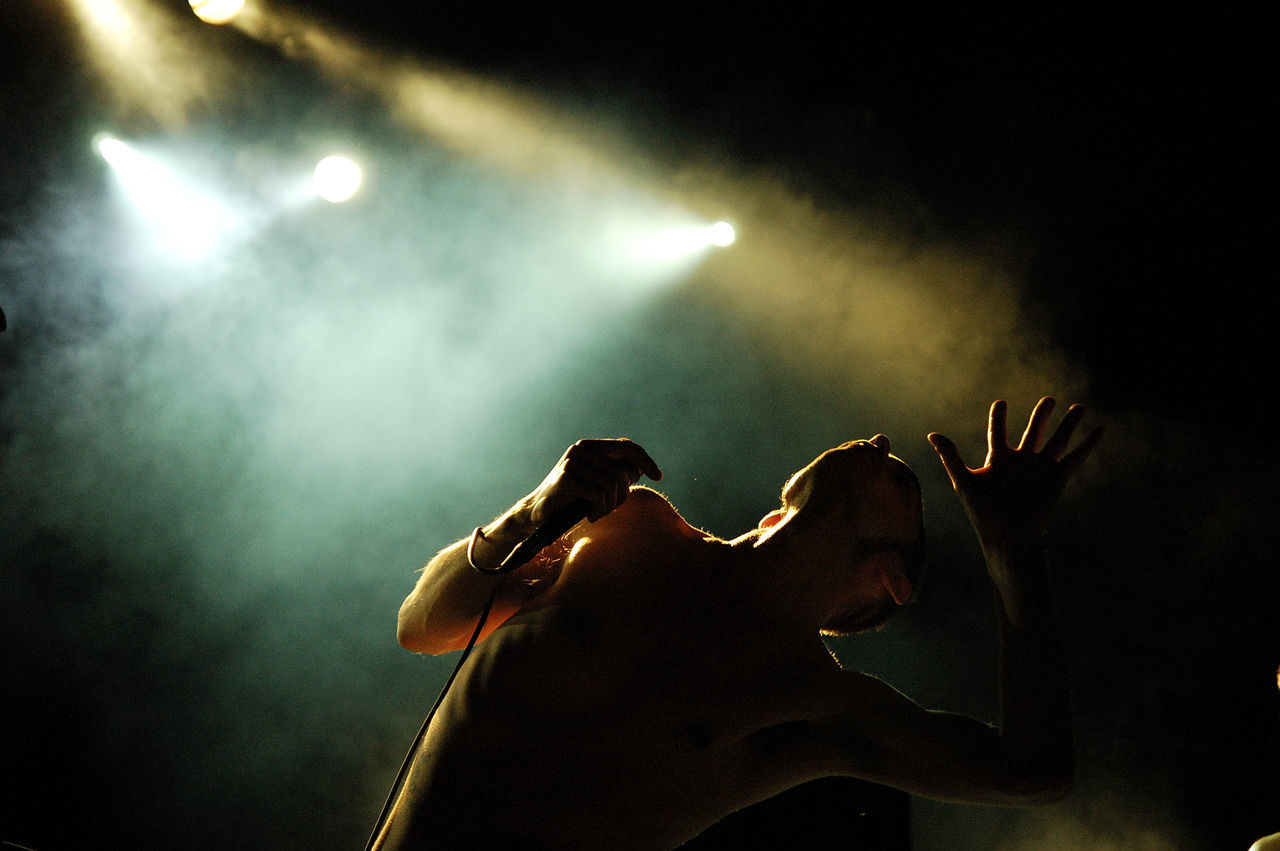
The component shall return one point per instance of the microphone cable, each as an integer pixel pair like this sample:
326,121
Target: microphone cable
398,783
550,530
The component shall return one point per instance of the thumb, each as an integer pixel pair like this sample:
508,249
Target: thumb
949,455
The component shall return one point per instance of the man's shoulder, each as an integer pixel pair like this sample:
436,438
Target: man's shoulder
630,554
645,515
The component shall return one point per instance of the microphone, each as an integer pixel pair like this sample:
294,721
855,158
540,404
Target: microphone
548,531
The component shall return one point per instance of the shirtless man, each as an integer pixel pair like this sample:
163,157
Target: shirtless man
641,679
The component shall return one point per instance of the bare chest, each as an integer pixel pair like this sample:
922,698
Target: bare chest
602,738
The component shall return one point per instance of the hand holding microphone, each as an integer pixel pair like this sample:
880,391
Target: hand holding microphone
590,480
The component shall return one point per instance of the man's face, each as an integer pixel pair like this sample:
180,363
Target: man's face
856,509
873,493
859,507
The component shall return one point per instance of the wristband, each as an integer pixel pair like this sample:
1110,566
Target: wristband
471,547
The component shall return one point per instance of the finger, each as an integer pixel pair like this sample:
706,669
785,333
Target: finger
1077,456
566,494
608,457
1035,425
606,481
634,453
1062,436
602,471
623,449
997,430
950,456
626,471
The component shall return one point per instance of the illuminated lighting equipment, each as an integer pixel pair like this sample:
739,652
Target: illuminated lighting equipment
115,152
721,234
336,179
638,247
216,11
185,220
682,241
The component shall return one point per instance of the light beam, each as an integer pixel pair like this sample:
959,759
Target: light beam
146,63
185,220
217,11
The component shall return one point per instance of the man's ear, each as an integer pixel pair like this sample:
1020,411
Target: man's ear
773,518
894,581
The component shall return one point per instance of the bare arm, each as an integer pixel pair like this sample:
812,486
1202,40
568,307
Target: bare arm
1009,501
1028,759
441,612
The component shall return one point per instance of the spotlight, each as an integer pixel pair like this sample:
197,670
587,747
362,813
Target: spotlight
216,11
643,248
336,179
683,241
721,234
111,149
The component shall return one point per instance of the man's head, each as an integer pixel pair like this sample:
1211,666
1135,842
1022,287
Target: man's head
855,512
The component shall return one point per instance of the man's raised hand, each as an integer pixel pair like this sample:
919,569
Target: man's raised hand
1010,498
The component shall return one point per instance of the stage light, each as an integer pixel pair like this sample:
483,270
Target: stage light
682,241
111,149
721,234
216,11
336,179
639,247
183,219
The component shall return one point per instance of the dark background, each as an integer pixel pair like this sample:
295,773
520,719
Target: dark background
1117,169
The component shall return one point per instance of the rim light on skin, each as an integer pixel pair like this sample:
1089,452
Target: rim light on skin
887,546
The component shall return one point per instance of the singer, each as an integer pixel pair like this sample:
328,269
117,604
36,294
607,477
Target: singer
639,679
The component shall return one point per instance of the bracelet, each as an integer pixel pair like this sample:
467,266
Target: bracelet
471,547
522,553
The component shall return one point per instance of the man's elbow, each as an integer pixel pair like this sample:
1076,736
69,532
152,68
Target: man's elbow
407,636
412,633
416,632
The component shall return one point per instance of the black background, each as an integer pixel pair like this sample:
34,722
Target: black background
1130,156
